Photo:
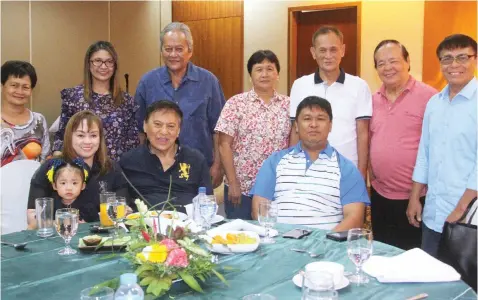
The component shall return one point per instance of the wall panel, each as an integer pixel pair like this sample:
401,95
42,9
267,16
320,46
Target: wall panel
15,39
201,10
61,34
135,28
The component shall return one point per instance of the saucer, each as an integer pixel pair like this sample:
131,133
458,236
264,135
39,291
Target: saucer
217,219
297,280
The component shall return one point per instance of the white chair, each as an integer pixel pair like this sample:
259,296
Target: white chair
15,179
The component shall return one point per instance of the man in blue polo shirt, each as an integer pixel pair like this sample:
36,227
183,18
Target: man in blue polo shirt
162,161
312,183
196,91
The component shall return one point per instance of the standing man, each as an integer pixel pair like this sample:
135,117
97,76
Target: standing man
349,96
447,158
196,90
395,130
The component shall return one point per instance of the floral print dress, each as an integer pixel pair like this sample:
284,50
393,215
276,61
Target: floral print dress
121,128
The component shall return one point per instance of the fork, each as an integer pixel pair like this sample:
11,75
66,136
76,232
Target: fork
311,254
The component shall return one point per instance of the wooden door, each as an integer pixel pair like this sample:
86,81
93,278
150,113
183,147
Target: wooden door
304,21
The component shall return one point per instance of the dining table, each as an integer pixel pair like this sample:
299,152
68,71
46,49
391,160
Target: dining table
39,272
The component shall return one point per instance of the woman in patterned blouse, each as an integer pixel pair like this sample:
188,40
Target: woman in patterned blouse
101,94
251,127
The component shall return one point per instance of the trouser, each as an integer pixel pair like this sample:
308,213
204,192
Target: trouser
430,240
390,223
242,211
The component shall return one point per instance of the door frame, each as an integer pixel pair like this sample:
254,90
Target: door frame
292,34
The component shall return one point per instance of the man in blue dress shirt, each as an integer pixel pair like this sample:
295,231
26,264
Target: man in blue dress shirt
196,90
447,155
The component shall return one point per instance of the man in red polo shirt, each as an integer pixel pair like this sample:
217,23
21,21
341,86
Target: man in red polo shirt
395,130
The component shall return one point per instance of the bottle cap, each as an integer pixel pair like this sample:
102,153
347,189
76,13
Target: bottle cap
202,190
128,278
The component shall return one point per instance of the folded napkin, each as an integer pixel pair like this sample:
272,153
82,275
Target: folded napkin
241,225
414,265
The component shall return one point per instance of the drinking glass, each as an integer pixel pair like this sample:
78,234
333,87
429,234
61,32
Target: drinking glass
267,218
115,208
317,285
66,221
259,297
44,216
105,221
359,249
103,293
207,209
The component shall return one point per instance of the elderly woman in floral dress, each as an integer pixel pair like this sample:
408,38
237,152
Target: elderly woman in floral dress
251,127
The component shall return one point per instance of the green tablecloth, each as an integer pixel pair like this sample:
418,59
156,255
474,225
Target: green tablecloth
40,273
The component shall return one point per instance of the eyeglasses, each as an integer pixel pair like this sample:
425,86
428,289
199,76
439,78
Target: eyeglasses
99,63
461,59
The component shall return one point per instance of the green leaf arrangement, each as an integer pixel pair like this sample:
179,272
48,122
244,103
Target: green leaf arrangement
160,260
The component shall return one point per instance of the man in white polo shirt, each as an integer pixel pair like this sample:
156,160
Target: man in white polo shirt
312,183
349,96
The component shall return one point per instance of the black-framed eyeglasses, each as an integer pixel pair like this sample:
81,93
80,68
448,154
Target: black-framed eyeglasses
461,59
99,63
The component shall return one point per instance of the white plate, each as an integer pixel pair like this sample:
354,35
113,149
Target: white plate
232,248
297,280
178,215
217,219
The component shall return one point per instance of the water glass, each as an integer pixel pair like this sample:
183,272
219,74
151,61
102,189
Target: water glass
105,221
207,209
317,285
44,216
66,221
359,249
267,218
259,297
103,293
116,209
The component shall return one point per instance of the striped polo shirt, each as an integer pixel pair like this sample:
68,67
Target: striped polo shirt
310,193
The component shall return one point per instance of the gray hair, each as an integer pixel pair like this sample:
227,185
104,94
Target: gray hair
177,26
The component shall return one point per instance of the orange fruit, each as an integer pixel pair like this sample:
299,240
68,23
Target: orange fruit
32,150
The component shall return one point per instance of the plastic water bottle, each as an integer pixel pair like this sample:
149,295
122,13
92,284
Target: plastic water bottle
207,209
129,289
196,205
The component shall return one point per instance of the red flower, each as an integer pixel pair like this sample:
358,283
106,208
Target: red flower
170,244
145,236
177,258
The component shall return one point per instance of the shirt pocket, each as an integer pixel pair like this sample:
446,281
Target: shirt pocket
196,109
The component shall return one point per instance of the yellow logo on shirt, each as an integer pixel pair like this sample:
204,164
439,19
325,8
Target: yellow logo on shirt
184,170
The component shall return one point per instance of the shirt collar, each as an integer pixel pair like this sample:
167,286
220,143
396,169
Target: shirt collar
328,150
191,74
318,80
467,91
147,148
408,86
254,97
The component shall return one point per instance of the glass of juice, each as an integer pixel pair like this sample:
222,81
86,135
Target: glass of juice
105,221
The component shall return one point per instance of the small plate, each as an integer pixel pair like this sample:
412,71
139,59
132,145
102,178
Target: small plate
232,248
119,244
297,280
217,219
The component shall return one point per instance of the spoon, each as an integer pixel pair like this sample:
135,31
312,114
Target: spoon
19,246
305,251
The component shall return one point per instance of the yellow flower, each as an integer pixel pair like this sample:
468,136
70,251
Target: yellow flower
49,174
158,254
141,257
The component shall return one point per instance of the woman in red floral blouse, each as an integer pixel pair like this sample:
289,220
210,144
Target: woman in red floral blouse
251,127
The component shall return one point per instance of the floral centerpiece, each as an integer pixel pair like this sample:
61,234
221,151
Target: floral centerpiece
160,259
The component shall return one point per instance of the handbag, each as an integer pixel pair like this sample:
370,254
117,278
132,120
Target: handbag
458,245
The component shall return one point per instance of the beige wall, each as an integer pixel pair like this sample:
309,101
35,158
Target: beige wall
266,27
62,31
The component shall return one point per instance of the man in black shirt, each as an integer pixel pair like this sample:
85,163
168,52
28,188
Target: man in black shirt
162,162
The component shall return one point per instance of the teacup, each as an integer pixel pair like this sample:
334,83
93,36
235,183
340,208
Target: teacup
337,270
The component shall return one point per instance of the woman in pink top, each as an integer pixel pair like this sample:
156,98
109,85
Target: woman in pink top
251,127
395,130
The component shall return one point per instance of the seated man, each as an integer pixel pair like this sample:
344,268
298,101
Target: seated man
312,183
162,162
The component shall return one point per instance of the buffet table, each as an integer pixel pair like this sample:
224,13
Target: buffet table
40,273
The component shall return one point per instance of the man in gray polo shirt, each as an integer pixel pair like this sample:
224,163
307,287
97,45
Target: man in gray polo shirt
348,95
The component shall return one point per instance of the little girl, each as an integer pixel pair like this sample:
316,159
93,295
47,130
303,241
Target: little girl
68,179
